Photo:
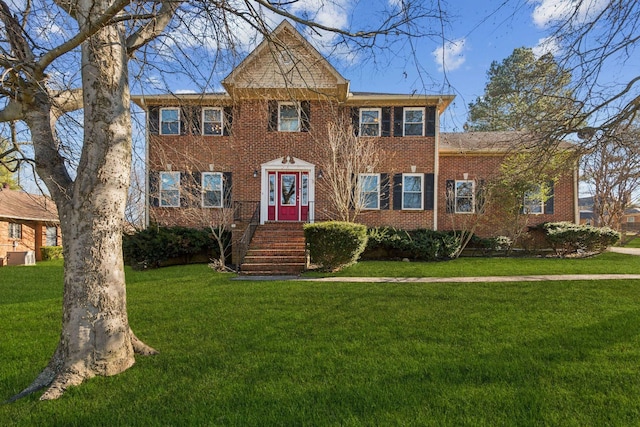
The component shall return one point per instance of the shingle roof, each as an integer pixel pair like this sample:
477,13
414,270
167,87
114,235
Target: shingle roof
490,142
26,207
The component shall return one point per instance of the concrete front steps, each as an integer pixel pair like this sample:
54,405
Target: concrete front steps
277,249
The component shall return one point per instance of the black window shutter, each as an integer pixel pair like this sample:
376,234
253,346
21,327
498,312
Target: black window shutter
154,120
386,121
398,120
384,191
355,120
185,189
548,205
195,185
154,188
354,191
227,189
451,195
428,191
196,117
228,120
184,119
305,116
480,196
430,121
273,116
397,191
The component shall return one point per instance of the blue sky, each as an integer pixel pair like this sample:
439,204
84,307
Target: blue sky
478,32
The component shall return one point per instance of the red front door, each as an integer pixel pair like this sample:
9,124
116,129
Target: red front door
289,199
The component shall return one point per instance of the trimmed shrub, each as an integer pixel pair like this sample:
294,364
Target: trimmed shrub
420,244
567,238
51,252
156,246
335,245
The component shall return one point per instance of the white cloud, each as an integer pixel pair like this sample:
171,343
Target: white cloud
450,56
547,12
547,45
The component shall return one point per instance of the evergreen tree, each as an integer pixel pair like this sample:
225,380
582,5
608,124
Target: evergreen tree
525,93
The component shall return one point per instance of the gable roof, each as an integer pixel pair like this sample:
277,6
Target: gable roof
21,206
286,61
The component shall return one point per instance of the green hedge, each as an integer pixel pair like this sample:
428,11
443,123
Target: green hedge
51,252
568,238
335,245
420,244
156,246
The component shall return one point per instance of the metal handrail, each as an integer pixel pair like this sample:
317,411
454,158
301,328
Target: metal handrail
243,243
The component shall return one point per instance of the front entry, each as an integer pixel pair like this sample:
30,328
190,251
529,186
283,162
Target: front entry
288,195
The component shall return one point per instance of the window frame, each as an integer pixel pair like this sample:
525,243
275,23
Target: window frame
361,123
296,105
405,122
220,122
162,121
528,201
15,231
472,197
204,189
404,186
162,190
361,199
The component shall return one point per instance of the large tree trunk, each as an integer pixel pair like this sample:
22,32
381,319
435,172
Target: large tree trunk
96,338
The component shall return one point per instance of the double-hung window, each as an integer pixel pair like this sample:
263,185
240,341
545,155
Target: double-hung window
533,201
212,121
413,121
412,191
212,190
288,117
465,196
15,230
170,121
170,189
369,189
51,236
370,121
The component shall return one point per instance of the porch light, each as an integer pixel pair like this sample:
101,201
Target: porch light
320,174
255,173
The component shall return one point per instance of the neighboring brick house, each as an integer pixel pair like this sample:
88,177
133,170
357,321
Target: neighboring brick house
27,223
254,148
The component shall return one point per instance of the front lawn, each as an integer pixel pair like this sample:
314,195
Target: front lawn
243,353
606,263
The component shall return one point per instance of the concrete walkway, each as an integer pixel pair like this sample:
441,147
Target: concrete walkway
529,278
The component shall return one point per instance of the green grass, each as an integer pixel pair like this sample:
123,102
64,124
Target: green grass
242,353
634,243
606,263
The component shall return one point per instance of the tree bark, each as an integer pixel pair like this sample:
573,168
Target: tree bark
96,338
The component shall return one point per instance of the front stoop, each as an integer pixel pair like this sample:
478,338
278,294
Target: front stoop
277,249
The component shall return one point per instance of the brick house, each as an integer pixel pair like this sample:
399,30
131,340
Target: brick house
27,223
254,148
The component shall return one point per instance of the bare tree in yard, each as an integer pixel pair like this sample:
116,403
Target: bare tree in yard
343,158
597,41
612,170
89,182
523,188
